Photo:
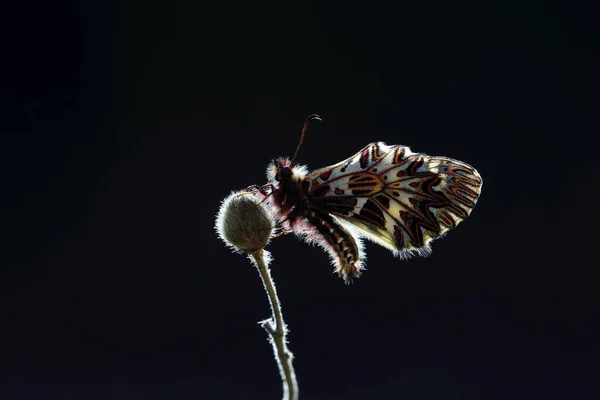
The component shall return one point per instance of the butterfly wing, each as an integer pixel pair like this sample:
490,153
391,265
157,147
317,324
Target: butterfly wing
398,199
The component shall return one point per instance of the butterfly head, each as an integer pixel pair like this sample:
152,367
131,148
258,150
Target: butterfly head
282,171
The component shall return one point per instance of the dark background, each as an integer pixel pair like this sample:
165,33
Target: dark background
125,124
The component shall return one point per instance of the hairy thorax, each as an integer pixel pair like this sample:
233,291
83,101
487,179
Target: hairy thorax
288,192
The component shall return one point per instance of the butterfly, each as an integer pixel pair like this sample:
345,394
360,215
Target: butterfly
387,194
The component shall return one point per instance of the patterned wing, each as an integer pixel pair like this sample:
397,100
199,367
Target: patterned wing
399,199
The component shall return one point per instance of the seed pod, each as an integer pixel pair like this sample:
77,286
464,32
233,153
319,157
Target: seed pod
244,223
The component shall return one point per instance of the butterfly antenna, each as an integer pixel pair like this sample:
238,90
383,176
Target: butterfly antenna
309,119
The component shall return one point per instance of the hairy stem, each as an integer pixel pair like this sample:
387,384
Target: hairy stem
276,329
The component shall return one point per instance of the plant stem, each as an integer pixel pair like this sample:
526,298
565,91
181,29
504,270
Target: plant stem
276,328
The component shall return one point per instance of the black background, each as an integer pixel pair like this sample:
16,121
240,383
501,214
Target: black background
125,124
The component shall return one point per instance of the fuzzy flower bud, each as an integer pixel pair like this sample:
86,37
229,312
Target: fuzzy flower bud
244,223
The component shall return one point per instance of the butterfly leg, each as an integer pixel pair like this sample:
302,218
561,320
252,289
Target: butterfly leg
281,233
252,189
345,249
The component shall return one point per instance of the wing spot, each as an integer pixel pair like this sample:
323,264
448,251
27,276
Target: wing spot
325,175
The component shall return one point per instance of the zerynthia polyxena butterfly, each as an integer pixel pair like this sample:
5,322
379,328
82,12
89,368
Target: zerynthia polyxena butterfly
390,195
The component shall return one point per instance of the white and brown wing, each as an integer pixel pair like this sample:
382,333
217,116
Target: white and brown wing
398,199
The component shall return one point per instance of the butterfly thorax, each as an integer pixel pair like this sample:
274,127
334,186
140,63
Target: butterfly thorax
287,193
